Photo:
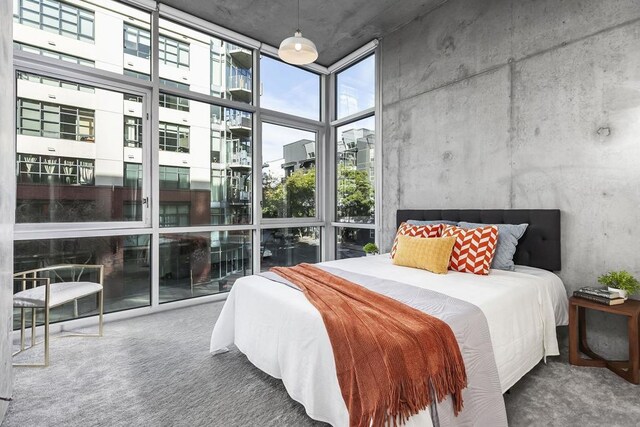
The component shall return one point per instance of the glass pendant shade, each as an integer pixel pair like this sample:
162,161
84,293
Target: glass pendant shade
298,50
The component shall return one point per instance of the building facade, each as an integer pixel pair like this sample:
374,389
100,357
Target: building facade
81,149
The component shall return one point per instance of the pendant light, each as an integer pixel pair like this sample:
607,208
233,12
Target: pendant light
298,50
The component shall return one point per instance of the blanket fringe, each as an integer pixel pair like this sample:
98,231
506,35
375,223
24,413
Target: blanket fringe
409,398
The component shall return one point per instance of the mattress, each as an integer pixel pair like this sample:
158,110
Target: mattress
282,334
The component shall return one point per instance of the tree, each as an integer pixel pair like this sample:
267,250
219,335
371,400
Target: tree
355,194
273,205
300,191
293,197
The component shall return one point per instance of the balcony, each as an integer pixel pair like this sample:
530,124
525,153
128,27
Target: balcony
239,125
238,162
241,57
239,87
238,158
239,197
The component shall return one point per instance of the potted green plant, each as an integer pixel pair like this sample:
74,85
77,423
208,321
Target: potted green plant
370,249
620,281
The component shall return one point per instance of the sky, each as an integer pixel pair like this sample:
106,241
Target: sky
289,89
275,136
295,91
356,87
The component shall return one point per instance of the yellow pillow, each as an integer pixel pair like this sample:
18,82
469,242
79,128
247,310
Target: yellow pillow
431,254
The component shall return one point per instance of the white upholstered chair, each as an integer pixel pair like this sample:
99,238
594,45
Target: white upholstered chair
38,292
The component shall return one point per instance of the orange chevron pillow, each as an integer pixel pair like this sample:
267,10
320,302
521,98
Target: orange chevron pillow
474,248
424,231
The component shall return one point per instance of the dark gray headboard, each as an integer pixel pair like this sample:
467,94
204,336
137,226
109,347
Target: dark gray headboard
540,245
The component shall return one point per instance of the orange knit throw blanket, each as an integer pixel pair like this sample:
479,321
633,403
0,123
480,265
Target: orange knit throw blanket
390,358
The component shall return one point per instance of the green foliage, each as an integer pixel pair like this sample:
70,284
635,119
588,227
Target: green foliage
355,193
295,197
620,280
370,248
273,205
300,190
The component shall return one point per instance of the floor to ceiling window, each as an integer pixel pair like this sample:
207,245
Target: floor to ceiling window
179,160
82,146
354,130
291,136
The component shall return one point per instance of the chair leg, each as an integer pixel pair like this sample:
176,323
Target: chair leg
100,320
46,336
34,311
22,329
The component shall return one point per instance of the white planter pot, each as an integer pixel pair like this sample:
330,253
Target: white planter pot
622,293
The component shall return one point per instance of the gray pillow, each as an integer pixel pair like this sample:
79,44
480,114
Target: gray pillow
508,235
438,221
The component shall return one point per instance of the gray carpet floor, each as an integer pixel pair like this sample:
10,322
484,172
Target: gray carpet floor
156,371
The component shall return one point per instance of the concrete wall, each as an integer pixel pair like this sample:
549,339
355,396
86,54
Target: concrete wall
522,104
7,197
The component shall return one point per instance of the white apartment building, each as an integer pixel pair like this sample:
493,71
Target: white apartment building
95,138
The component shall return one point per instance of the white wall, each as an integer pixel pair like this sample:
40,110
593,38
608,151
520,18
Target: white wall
7,197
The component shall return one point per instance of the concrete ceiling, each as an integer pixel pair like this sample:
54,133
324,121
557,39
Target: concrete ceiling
337,27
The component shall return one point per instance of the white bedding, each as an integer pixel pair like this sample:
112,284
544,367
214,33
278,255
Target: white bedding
282,334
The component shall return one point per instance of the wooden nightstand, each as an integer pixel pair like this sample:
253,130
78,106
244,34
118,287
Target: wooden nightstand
628,369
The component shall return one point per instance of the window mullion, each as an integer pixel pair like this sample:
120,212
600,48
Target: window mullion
154,157
330,170
378,147
257,163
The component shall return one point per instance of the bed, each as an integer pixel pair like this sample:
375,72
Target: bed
282,334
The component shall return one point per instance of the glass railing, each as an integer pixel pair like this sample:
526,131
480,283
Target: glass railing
239,120
236,82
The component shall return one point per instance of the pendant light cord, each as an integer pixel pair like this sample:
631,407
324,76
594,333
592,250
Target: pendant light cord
298,15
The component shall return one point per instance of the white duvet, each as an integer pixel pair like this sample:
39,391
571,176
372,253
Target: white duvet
282,334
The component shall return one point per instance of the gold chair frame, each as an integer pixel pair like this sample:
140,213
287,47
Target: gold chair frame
32,277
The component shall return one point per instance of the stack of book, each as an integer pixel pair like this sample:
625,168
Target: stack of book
599,295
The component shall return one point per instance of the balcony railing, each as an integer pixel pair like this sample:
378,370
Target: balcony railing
239,86
240,160
239,196
239,121
239,82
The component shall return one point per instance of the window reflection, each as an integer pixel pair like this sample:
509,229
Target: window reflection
349,241
289,246
127,278
197,264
